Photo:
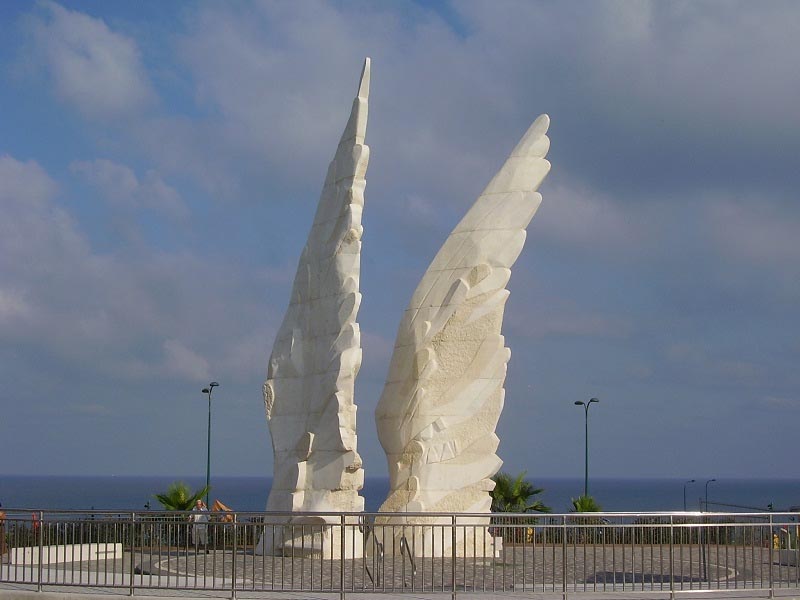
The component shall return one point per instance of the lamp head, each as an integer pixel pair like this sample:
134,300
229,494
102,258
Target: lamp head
579,403
213,384
593,400
205,391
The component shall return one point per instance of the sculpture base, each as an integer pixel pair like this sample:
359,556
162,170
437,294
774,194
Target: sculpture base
320,537
434,537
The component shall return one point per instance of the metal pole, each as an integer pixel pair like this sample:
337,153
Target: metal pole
585,406
208,453
672,557
771,558
586,450
41,551
704,537
564,593
342,551
233,557
453,554
209,390
133,552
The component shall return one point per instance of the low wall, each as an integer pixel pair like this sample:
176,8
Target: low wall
64,554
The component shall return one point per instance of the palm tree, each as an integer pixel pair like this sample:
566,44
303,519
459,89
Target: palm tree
515,495
591,533
583,504
180,497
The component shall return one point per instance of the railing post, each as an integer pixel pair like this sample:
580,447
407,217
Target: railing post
233,557
341,557
452,554
133,553
41,551
671,558
564,556
771,558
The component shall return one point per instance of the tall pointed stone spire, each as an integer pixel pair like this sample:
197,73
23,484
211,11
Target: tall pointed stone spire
308,395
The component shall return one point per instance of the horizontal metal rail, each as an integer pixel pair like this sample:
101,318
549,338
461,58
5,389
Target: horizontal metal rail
430,553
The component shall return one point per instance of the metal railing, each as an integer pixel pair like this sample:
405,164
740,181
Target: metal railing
427,553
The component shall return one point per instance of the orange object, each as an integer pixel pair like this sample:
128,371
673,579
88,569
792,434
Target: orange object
220,507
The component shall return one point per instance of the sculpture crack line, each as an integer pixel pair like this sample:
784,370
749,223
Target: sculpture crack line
308,395
444,392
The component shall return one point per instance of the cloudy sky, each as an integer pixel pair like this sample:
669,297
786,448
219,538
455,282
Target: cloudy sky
160,165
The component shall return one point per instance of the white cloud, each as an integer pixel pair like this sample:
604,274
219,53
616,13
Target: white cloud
119,185
561,321
35,234
705,361
96,70
24,182
665,86
420,208
780,403
246,357
92,410
377,350
757,232
183,362
701,66
573,215
12,306
127,316
274,83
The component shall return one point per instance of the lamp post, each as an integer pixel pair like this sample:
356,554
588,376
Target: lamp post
586,442
704,535
208,391
707,482
684,493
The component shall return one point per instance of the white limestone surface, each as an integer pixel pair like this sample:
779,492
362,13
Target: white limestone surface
64,553
444,392
308,395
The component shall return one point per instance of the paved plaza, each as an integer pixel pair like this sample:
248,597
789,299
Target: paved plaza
521,571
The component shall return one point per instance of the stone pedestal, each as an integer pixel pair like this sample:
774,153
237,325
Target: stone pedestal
318,536
433,537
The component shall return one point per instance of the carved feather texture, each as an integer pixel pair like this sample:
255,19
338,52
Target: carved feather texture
443,396
308,394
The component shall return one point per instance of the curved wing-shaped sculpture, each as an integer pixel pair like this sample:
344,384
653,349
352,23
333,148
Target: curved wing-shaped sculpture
308,394
443,396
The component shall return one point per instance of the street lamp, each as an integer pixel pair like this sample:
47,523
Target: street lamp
707,482
208,391
684,493
586,443
704,536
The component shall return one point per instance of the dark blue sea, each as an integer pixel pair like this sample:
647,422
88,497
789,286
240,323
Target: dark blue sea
250,493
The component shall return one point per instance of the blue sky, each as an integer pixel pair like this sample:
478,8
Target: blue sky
160,164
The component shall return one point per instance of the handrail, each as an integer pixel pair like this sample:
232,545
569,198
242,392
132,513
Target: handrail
366,530
542,553
378,546
448,515
406,549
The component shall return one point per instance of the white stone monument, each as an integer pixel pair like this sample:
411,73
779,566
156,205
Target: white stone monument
308,394
437,415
